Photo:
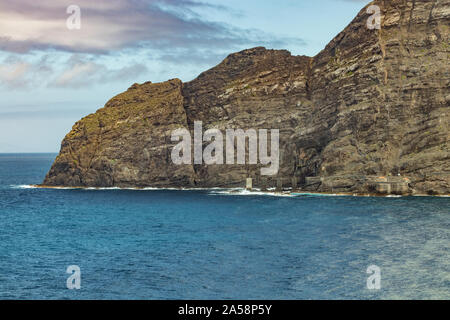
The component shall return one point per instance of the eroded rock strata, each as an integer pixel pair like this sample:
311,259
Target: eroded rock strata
369,113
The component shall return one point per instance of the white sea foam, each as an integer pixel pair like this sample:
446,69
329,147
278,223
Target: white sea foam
310,194
30,186
23,186
220,191
113,188
244,192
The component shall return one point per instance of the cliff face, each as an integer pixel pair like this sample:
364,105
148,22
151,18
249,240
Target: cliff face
368,114
125,143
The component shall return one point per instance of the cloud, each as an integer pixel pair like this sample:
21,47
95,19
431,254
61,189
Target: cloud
81,73
78,71
111,25
13,75
170,32
358,1
17,73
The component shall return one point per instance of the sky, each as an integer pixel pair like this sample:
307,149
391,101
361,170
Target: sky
57,66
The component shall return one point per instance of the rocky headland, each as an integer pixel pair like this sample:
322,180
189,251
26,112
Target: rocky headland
368,114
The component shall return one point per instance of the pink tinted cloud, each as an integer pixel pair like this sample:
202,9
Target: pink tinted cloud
107,25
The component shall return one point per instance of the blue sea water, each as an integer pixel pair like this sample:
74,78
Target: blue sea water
164,244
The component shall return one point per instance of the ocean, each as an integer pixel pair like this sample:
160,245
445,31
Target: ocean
213,244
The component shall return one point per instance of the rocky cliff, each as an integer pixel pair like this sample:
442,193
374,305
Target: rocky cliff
370,113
